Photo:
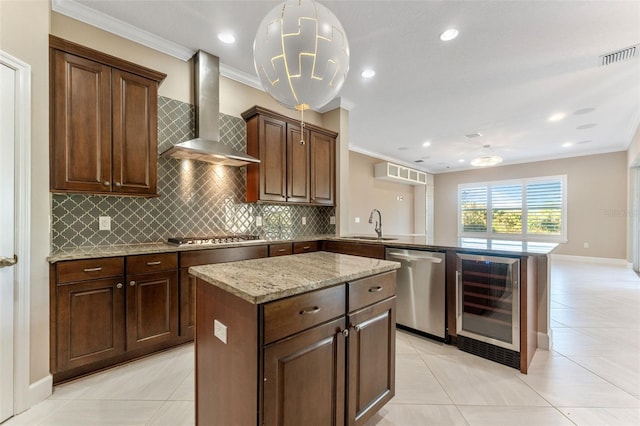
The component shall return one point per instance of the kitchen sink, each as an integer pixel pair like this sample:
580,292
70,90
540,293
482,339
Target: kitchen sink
372,238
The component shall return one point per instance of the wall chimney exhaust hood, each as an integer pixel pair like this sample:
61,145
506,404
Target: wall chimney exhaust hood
206,146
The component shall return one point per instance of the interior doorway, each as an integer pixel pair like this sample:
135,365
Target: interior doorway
15,145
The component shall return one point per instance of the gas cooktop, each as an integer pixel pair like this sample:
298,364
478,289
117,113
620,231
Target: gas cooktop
218,239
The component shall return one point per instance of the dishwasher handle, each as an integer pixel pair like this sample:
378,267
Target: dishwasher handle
414,258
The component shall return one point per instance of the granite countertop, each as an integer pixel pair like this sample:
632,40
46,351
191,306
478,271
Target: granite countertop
479,245
263,280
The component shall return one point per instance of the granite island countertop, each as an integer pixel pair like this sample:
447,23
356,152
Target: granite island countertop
263,280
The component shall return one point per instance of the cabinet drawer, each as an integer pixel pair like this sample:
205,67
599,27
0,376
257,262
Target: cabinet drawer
90,269
280,249
288,316
220,255
151,263
369,290
305,247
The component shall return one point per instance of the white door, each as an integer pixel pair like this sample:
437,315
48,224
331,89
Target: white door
7,237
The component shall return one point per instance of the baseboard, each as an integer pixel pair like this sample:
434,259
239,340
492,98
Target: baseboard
40,390
585,259
544,341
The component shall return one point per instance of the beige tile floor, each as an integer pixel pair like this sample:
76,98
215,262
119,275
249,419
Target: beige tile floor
591,377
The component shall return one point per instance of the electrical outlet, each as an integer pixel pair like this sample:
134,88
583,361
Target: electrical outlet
220,331
332,220
357,220
104,223
400,198
585,245
304,220
258,220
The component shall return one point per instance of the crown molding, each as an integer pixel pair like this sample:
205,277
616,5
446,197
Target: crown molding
115,26
241,76
383,157
338,102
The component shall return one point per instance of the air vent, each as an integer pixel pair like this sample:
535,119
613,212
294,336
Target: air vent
473,135
418,161
620,55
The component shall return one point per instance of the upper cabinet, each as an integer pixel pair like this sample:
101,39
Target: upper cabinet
296,165
104,119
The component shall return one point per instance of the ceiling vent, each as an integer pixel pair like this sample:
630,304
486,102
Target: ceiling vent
473,135
418,161
619,55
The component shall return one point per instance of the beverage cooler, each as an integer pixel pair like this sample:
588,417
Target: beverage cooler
488,307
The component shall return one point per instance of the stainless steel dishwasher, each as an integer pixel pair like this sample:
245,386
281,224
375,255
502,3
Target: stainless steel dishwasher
421,291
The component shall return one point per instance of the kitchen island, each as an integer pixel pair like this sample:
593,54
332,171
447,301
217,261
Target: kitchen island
300,339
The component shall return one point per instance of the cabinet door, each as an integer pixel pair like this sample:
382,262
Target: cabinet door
81,124
135,141
187,304
152,309
371,360
323,168
89,322
273,159
298,187
303,380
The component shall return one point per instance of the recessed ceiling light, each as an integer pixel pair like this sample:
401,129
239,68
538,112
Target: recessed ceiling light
461,160
449,34
226,38
584,111
567,144
557,116
586,126
426,144
368,73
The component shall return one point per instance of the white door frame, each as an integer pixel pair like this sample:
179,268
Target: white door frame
21,324
635,218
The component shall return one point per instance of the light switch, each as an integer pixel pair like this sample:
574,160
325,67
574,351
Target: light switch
332,220
357,220
304,220
220,331
258,220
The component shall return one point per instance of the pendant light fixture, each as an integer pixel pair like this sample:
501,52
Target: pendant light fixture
301,54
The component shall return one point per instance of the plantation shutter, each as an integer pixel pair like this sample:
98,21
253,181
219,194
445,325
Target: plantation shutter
506,209
544,207
473,202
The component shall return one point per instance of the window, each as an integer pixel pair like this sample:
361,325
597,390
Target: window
526,209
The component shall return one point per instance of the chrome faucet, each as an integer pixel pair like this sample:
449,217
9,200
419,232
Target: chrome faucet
378,227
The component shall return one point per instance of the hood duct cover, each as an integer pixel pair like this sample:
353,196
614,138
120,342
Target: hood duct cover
207,146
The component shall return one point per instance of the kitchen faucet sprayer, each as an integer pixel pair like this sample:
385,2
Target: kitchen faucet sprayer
378,227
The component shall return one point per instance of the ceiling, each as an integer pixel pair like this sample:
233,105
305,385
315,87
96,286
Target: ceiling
513,65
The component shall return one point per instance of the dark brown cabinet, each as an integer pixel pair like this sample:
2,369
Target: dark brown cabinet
322,357
296,165
280,249
103,122
108,310
152,300
87,312
375,251
188,282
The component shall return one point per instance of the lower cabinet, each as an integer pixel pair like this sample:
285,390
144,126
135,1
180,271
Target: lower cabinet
89,322
326,357
99,318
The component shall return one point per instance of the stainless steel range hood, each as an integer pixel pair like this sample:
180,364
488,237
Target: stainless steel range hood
207,146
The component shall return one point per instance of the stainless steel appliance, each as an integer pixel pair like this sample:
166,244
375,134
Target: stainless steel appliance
213,240
421,291
488,307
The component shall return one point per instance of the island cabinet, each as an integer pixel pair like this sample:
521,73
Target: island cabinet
297,165
103,122
375,251
324,357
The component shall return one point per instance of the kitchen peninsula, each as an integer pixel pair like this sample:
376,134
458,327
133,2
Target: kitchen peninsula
302,339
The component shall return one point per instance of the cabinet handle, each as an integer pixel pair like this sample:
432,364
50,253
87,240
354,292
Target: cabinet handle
132,283
306,248
345,332
105,183
119,285
302,142
375,289
281,250
357,328
312,311
99,268
157,262
118,184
